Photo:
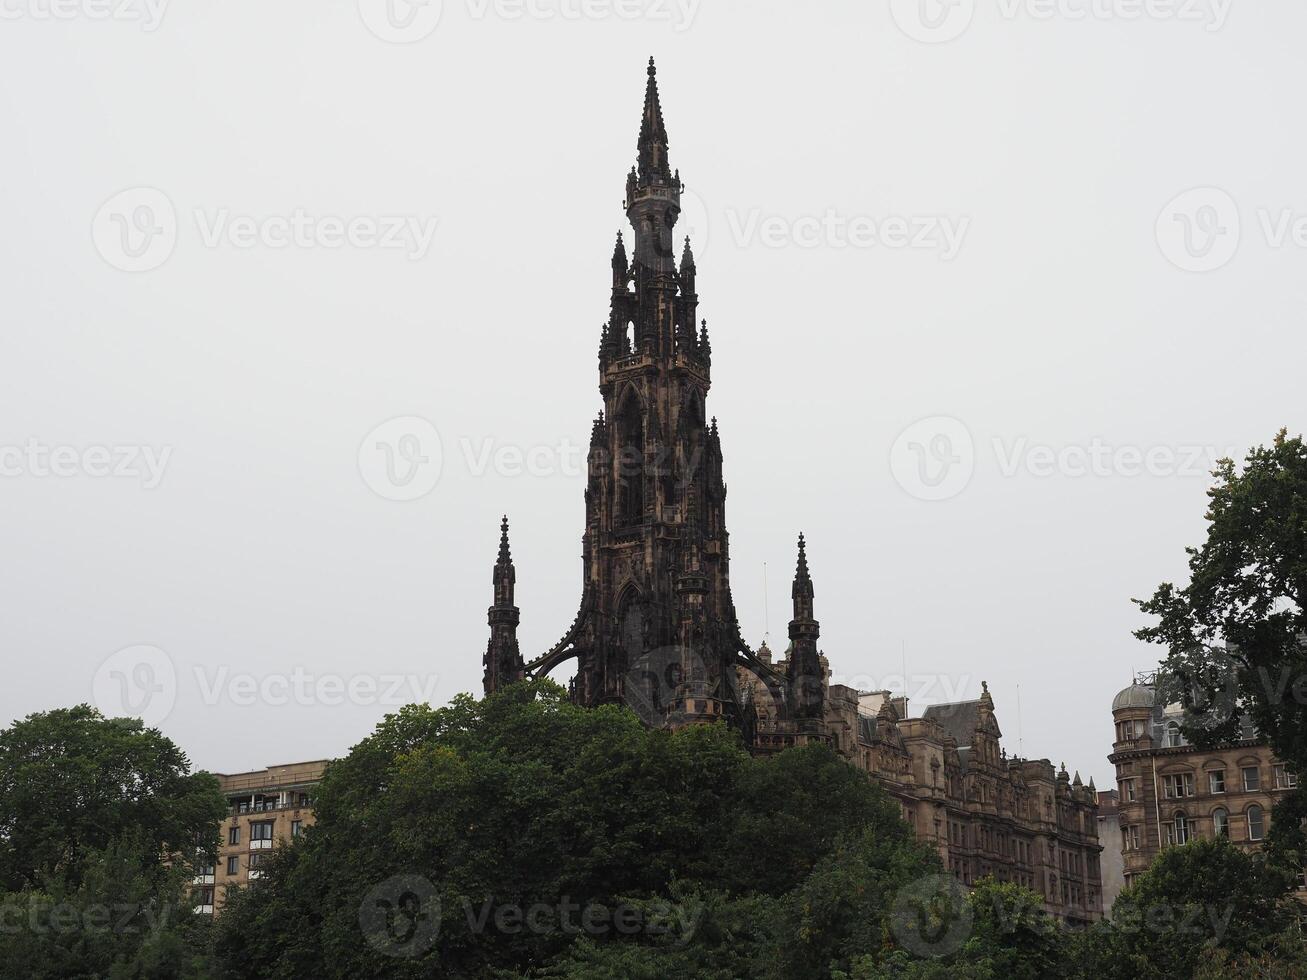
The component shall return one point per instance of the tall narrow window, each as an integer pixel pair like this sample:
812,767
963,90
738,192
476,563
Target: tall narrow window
1220,823
630,463
1256,823
1179,829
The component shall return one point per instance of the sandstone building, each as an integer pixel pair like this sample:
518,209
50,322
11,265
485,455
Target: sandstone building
1172,792
267,806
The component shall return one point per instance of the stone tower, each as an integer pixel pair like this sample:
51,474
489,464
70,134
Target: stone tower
657,628
503,659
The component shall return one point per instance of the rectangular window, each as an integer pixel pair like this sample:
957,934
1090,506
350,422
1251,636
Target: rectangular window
1256,823
1216,781
1252,779
295,827
1284,779
1178,785
233,866
233,835
261,831
256,860
205,896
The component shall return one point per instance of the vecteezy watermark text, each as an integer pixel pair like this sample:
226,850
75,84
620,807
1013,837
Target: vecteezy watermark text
142,681
36,459
147,13
403,917
939,21
409,21
404,458
940,233
936,458
136,230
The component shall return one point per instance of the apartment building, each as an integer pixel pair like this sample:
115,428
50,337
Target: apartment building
265,806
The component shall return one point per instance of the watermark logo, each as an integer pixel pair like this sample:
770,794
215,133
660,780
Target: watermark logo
931,917
658,680
940,233
401,916
693,223
933,21
934,459
300,229
136,682
408,21
147,13
402,459
1199,230
939,21
400,21
36,459
136,229
35,914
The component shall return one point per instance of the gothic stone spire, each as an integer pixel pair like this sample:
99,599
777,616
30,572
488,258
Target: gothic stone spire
653,134
804,671
503,660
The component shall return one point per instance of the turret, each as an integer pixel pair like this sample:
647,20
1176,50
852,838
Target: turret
804,671
503,660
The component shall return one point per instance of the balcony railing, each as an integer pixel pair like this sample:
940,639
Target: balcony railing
269,806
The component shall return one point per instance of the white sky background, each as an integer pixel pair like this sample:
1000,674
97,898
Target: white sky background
1060,323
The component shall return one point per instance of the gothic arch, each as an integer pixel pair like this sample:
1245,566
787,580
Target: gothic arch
628,452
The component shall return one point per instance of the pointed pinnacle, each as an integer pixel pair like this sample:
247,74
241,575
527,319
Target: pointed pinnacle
652,145
504,556
801,572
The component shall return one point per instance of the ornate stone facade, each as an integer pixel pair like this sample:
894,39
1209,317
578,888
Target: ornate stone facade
1171,792
657,629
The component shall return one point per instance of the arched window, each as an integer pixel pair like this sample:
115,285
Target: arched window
1220,823
630,462
1256,823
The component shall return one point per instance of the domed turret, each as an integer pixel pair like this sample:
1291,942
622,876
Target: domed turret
1134,696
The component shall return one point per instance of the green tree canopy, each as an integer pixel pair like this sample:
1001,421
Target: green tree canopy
1235,635
1198,901
438,837
73,781
100,821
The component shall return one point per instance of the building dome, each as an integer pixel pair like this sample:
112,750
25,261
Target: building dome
1134,696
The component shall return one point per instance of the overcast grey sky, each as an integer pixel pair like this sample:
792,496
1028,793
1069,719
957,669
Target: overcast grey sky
989,287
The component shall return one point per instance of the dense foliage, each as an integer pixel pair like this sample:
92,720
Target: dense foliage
1235,634
1206,901
101,826
478,837
523,837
